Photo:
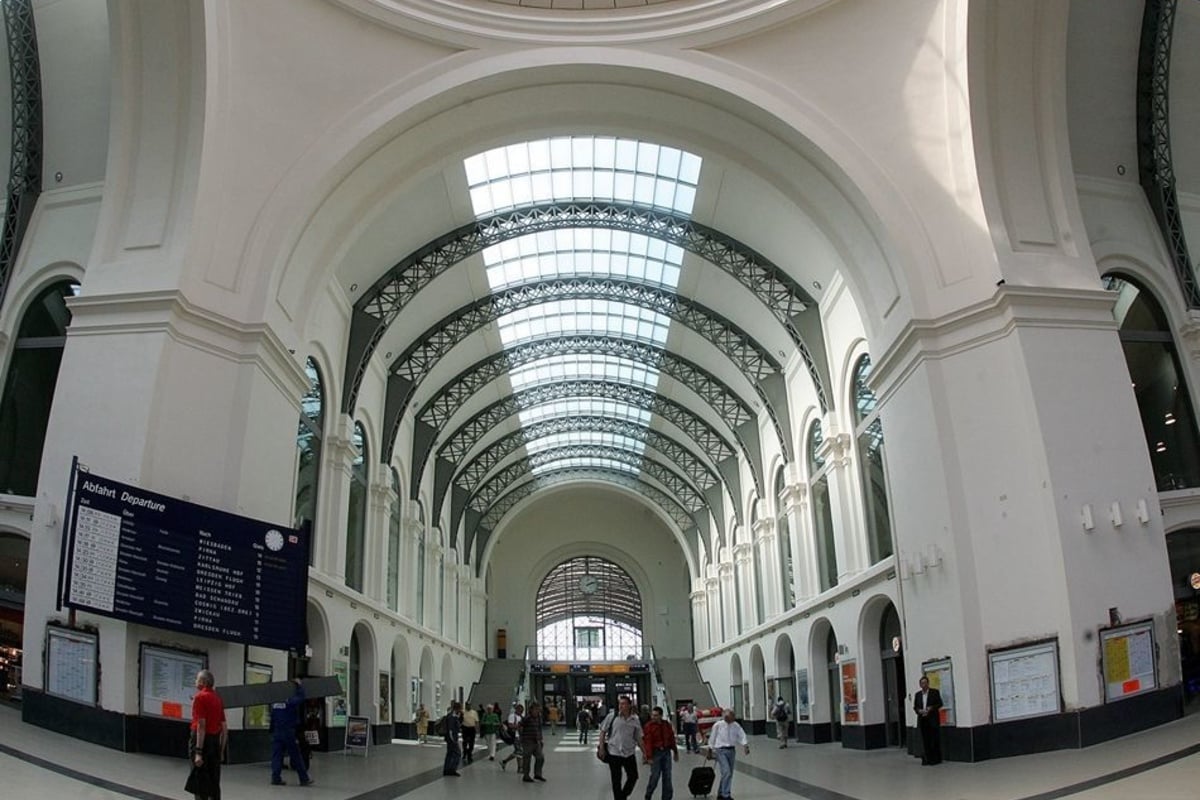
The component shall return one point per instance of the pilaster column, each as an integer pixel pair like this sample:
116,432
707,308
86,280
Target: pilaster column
410,536
433,572
726,609
375,548
712,586
767,552
463,593
478,616
848,545
338,453
804,545
699,601
448,620
743,564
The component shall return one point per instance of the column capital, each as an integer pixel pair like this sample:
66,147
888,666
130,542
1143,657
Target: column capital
724,568
764,529
743,552
1189,336
794,496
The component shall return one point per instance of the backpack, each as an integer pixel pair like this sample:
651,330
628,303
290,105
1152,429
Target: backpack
781,713
506,733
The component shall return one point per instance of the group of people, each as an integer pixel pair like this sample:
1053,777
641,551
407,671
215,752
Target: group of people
209,737
624,736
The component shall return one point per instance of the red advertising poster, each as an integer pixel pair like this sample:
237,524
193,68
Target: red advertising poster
849,692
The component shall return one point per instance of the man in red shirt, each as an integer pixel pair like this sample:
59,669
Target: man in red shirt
208,735
658,750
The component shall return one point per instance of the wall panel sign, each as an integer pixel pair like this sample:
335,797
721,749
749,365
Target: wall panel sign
168,681
802,702
1128,660
155,560
1024,681
849,691
941,677
71,664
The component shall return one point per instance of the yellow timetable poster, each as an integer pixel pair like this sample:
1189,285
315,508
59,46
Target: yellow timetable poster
1128,660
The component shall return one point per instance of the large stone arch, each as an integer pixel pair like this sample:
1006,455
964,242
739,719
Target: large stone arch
870,666
318,638
363,701
758,688
818,674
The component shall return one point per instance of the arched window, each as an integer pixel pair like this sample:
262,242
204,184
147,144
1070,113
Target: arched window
356,522
868,432
1162,394
784,534
822,508
588,609
29,387
308,443
393,570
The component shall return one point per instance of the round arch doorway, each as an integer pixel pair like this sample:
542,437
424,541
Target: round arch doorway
590,648
1183,550
892,655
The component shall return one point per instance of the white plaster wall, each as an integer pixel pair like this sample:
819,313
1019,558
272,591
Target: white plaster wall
573,522
73,50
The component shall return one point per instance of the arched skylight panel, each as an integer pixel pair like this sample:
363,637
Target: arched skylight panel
569,438
586,463
586,367
582,168
575,317
585,406
583,251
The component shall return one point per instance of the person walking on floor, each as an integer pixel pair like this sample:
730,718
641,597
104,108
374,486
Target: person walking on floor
781,713
208,736
531,744
583,721
422,721
620,738
489,725
724,739
927,703
514,729
552,716
687,719
659,750
470,727
452,732
285,717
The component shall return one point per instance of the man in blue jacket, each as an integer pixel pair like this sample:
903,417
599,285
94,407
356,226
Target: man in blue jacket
285,716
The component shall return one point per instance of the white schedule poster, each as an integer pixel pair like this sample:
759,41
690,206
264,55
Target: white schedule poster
169,681
71,664
1024,681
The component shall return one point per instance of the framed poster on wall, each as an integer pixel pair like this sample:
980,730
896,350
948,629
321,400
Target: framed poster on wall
258,717
941,677
337,717
168,681
802,704
1024,681
1127,660
72,659
849,691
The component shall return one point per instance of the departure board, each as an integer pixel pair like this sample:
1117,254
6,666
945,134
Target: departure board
147,558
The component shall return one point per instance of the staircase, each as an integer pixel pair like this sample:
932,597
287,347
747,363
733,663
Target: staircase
682,680
497,682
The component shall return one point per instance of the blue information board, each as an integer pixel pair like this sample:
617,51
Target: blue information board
147,558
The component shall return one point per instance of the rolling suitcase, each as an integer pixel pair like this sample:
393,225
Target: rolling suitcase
701,781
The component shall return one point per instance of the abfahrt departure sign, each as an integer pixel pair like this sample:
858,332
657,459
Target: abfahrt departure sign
147,558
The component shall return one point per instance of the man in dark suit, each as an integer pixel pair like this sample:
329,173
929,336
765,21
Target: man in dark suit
927,703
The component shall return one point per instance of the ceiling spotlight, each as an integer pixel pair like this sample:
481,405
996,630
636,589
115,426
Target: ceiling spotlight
817,285
1169,419
354,287
1161,447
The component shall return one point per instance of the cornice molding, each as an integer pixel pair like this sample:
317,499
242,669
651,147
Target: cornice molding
988,321
172,314
471,24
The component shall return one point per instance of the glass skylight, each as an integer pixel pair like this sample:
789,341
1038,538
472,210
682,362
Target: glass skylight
583,169
583,367
583,251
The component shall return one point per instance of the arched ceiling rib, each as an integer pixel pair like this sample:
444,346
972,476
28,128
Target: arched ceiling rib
783,298
582,240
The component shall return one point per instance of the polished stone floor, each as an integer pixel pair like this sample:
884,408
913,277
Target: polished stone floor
1162,764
